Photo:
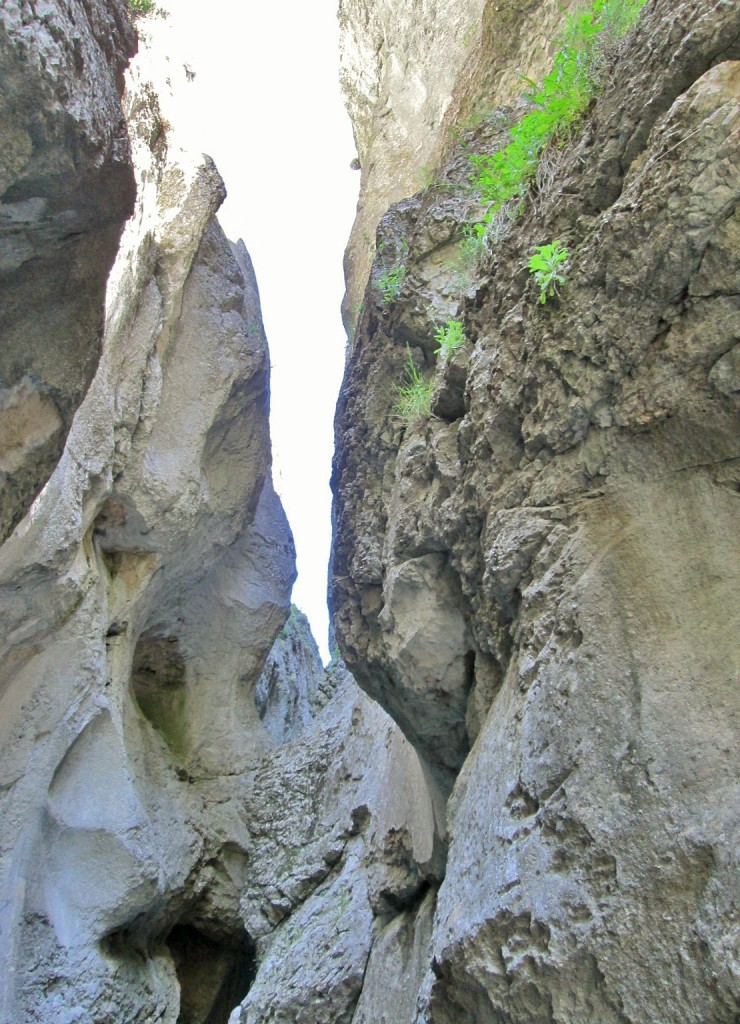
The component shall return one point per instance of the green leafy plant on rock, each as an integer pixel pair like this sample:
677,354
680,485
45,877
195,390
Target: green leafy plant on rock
558,102
414,396
392,275
548,264
138,8
470,248
449,338
466,264
617,17
390,282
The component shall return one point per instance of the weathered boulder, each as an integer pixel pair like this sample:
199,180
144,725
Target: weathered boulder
535,581
66,189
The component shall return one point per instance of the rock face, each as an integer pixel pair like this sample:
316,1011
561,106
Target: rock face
293,684
66,188
342,857
412,74
140,595
192,830
535,580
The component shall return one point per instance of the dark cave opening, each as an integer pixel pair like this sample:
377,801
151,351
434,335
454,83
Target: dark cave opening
214,976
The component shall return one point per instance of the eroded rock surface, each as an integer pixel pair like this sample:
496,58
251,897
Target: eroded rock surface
191,829
66,189
414,74
139,600
293,684
536,580
343,841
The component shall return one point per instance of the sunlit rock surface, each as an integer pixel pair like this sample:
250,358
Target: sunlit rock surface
201,823
415,74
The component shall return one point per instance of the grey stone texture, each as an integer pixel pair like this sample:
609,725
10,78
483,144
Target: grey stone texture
66,189
293,685
412,74
539,581
342,842
195,821
139,598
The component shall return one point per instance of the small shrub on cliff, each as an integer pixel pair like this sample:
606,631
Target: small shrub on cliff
140,8
548,264
465,266
558,102
390,282
450,338
561,98
470,248
616,17
414,397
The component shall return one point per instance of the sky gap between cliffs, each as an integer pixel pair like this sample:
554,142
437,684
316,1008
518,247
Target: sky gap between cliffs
256,87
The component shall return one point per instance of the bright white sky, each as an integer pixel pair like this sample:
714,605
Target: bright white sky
265,104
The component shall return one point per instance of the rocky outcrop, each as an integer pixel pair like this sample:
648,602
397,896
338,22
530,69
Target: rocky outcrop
293,684
194,826
535,579
343,855
412,75
66,189
139,598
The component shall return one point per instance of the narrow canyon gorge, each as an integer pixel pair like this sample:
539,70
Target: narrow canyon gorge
512,796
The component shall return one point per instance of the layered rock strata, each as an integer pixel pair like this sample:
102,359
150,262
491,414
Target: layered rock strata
536,580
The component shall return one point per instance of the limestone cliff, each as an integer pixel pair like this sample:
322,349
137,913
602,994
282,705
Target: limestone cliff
412,74
141,590
190,826
66,186
538,577
534,578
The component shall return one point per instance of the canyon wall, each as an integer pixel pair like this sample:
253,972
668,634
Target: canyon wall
528,813
195,821
147,564
538,577
67,186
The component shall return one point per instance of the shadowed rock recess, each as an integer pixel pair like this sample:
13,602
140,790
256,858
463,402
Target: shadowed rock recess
528,813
